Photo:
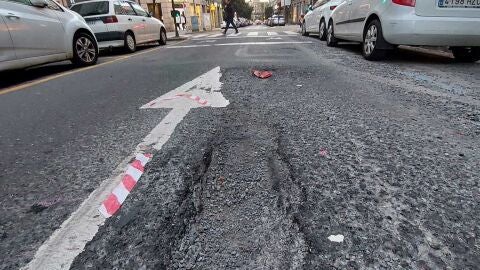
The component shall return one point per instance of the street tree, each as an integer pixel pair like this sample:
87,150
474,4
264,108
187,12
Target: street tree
268,12
243,9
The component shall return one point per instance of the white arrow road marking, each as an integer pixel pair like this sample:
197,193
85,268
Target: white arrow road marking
66,243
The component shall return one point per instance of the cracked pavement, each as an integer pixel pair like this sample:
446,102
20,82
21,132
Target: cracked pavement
385,154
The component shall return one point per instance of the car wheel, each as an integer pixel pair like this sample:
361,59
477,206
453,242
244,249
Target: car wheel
322,30
331,40
85,50
163,37
304,30
466,54
372,40
130,43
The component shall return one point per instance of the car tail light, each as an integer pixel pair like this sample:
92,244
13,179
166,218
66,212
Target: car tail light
409,3
110,19
333,7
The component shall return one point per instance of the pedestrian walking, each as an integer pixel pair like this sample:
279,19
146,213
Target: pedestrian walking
229,15
184,20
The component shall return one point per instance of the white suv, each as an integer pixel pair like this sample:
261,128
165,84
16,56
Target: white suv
382,24
315,21
34,32
118,23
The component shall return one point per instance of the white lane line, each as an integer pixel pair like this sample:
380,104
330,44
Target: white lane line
263,43
201,35
216,35
190,46
67,242
234,34
252,34
242,43
272,33
290,33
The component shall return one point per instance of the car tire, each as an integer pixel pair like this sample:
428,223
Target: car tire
466,54
331,39
304,30
322,30
130,44
85,50
372,40
163,37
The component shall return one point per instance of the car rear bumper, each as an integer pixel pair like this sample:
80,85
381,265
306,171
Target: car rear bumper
411,29
110,36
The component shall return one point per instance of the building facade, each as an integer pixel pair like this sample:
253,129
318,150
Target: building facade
200,15
258,6
298,8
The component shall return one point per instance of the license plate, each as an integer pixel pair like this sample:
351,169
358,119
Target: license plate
459,3
95,22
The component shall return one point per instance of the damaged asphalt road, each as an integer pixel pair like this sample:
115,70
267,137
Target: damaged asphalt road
332,163
263,183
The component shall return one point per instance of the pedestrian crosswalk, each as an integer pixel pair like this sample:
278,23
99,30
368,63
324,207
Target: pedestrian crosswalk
251,34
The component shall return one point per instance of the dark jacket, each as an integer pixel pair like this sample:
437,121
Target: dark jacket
229,12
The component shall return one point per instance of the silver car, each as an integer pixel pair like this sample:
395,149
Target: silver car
34,32
382,24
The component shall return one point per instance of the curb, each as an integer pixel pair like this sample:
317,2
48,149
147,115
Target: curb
177,38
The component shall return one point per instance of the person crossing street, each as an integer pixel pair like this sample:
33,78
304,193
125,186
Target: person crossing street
229,16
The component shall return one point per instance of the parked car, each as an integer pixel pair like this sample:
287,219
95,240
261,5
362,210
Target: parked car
380,25
119,23
34,32
277,20
315,21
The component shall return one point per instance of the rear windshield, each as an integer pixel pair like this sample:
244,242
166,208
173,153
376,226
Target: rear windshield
90,9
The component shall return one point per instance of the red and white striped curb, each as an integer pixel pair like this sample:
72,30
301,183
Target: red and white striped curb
197,99
130,178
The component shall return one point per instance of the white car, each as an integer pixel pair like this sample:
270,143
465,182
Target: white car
382,24
118,23
277,20
315,21
34,32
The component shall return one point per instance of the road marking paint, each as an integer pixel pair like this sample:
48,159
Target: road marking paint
199,36
67,242
241,43
66,73
290,33
272,33
234,35
252,34
216,35
189,46
263,43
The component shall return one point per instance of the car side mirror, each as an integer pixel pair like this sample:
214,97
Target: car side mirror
39,3
150,14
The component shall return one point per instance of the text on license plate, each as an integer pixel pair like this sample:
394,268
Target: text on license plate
459,3
94,22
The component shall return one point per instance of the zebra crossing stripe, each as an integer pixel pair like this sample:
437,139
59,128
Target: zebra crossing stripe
199,36
252,34
234,35
289,33
272,33
215,35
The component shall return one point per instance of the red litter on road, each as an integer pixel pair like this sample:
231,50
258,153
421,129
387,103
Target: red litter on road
262,74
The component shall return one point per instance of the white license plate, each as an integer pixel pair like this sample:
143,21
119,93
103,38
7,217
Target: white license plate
92,22
459,3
